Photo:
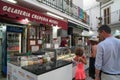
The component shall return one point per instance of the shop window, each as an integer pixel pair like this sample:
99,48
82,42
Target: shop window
38,36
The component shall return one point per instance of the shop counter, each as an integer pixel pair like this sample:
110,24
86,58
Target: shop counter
59,70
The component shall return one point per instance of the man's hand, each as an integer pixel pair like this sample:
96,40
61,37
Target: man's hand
97,78
97,74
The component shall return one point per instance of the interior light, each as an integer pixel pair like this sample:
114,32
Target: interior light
24,21
56,27
54,15
29,24
117,31
90,32
12,1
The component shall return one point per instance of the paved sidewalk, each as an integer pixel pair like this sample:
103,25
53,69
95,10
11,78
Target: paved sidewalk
1,77
87,70
88,78
87,65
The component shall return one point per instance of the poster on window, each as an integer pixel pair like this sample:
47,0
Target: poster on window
34,48
39,41
32,33
32,42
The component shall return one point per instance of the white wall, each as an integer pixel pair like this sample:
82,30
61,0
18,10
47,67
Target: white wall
87,4
104,6
93,10
114,6
94,13
78,3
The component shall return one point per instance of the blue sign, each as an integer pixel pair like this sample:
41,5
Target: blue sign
81,14
14,29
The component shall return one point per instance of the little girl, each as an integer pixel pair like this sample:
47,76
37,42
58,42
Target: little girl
80,61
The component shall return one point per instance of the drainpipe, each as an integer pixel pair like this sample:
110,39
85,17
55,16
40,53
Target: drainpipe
119,14
100,8
100,18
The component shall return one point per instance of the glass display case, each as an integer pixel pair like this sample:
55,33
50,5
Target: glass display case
65,53
36,64
61,53
43,56
40,57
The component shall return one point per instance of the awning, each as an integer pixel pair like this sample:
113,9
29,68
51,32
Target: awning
77,26
15,11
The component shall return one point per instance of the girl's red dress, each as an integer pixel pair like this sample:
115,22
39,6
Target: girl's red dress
80,72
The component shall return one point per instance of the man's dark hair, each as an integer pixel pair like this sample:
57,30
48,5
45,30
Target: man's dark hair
106,28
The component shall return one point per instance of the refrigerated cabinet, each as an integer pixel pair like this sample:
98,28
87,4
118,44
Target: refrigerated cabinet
11,44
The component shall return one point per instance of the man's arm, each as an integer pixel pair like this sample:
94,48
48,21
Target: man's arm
98,62
97,74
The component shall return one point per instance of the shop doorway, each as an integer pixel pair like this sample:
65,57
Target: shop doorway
0,54
1,36
1,45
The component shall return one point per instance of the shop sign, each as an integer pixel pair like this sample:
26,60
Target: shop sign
14,29
15,11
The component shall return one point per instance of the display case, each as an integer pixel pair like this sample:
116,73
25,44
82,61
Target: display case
61,53
65,53
43,64
31,68
44,56
40,57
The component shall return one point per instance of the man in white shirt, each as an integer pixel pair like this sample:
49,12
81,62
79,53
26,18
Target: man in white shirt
108,56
